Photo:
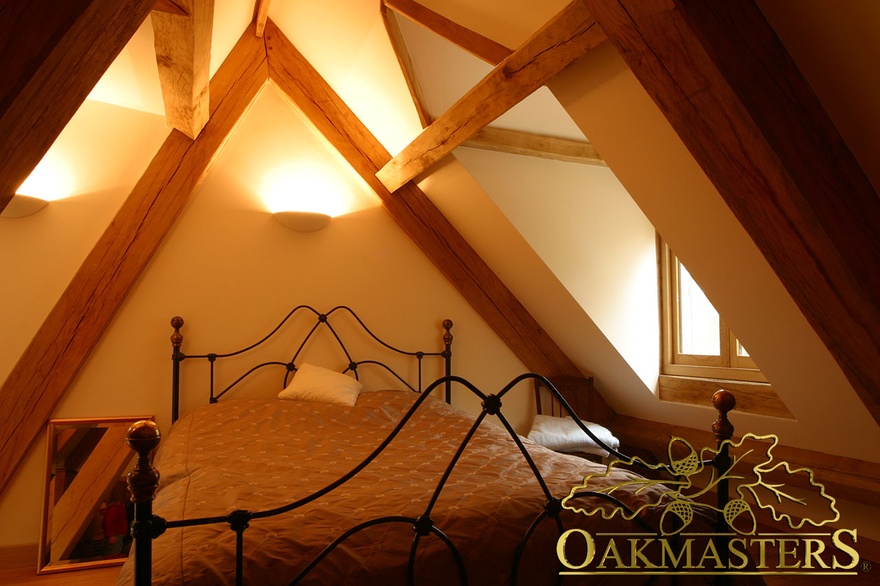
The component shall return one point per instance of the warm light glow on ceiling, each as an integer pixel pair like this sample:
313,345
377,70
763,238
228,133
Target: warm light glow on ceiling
52,179
306,187
132,80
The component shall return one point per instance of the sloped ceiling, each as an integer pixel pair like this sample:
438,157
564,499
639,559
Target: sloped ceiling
510,22
31,391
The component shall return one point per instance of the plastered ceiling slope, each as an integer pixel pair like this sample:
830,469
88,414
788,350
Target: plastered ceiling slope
655,168
348,45
97,159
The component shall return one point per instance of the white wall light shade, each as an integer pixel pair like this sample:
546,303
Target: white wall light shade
302,221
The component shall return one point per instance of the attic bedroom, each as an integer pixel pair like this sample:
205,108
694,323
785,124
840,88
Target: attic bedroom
404,123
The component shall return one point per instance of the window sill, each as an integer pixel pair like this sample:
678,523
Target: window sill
698,371
751,397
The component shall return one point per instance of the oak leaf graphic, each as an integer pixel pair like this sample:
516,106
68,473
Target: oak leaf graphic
772,488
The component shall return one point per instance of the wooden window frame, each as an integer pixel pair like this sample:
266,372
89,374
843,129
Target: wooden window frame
727,366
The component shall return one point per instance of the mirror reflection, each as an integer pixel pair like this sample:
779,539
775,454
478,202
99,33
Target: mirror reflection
86,513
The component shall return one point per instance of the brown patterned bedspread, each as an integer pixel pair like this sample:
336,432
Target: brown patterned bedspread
258,455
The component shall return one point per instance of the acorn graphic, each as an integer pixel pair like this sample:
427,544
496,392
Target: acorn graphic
683,466
739,516
677,515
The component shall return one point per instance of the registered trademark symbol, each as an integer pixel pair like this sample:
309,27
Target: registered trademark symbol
866,566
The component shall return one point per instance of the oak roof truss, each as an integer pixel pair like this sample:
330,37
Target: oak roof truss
816,227
52,360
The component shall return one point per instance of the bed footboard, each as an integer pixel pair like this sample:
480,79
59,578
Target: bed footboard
144,437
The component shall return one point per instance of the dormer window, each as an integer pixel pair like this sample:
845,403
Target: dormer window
700,354
697,341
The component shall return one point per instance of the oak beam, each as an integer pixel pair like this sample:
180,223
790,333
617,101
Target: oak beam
737,100
565,38
487,138
49,72
414,212
61,346
398,44
471,41
261,14
183,56
535,145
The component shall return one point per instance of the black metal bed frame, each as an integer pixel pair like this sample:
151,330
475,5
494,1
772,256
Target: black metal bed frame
144,437
322,321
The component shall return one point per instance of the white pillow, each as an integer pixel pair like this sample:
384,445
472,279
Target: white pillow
314,383
562,434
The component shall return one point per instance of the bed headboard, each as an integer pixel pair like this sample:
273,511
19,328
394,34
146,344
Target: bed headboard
322,322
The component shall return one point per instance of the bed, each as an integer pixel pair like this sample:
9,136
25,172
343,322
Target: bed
392,486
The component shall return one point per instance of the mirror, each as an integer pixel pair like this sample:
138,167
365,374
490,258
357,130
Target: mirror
86,509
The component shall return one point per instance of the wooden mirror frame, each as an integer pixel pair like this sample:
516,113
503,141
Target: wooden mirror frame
95,449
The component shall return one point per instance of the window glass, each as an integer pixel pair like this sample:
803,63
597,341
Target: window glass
698,320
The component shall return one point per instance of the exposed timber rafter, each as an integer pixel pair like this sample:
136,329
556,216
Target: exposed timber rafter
565,38
49,72
261,14
404,59
488,138
535,145
471,41
60,347
183,56
730,90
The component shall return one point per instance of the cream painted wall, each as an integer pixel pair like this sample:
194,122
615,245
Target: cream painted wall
102,152
91,160
610,106
589,232
232,272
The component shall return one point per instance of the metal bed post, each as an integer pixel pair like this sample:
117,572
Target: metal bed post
176,358
143,437
722,428
447,356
